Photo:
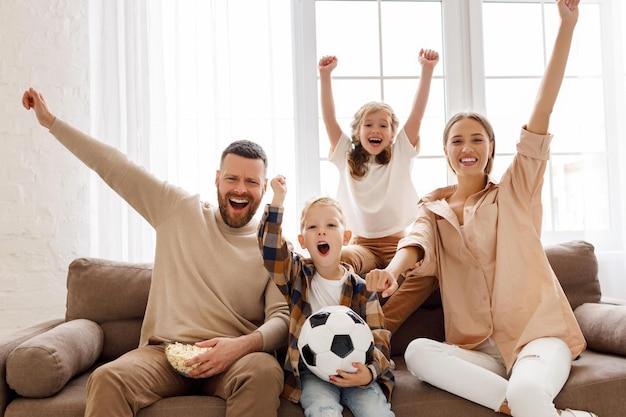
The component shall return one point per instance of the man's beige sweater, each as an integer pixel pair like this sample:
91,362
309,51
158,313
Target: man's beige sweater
208,278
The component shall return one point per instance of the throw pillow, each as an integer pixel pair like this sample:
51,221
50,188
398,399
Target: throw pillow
40,367
604,326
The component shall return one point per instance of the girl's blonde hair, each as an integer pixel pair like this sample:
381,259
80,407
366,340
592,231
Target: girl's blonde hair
485,124
321,201
358,157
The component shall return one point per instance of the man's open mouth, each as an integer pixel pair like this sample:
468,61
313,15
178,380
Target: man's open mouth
238,203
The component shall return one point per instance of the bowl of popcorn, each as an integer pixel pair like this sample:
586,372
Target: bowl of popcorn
179,353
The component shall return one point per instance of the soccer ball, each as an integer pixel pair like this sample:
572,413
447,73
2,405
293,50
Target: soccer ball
333,338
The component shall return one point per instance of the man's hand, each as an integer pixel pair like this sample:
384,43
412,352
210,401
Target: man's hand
225,351
32,99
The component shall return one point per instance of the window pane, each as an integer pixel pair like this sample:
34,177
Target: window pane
578,120
399,93
429,174
585,58
406,28
575,193
401,30
349,95
349,30
330,179
509,102
500,163
623,7
580,190
506,52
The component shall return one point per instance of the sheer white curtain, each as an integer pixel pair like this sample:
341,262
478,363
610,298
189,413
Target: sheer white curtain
172,83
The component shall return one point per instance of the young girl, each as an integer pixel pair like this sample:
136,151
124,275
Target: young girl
511,334
308,285
375,188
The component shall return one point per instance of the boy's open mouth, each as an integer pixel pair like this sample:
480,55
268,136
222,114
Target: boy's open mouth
323,248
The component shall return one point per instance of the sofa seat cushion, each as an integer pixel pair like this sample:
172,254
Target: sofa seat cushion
597,383
41,366
70,402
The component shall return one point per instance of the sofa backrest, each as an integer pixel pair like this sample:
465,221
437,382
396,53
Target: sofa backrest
114,294
576,266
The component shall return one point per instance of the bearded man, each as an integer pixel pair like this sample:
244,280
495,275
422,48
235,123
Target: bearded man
204,256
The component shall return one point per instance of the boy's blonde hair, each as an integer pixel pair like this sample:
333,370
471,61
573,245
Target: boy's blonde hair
321,201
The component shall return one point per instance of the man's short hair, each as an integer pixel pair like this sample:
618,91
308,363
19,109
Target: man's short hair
245,149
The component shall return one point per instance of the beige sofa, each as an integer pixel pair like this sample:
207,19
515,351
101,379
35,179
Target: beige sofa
106,302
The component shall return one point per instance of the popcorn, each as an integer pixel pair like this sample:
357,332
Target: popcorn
178,353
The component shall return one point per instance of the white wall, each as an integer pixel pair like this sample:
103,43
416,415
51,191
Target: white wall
44,195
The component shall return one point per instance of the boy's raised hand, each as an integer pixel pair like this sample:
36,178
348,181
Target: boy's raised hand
279,186
428,57
327,64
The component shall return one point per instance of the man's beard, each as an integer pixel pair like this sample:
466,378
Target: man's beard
242,218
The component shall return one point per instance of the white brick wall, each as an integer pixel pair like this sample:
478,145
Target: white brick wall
44,198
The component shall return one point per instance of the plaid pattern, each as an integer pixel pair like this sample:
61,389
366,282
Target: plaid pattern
292,274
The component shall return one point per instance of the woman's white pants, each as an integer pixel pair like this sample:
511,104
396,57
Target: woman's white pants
479,375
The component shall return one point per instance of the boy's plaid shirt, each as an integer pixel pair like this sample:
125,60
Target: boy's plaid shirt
292,274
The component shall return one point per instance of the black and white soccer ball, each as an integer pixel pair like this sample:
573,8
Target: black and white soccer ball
333,338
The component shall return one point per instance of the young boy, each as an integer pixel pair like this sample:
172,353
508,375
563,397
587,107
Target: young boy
311,283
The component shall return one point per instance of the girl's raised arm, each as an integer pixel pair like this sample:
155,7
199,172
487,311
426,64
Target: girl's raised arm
326,65
428,59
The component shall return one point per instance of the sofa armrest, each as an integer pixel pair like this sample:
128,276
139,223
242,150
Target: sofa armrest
10,342
604,326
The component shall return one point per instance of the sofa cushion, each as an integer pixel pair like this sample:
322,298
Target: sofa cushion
112,293
604,326
576,267
42,365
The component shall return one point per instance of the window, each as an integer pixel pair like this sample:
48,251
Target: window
174,82
485,65
378,60
576,190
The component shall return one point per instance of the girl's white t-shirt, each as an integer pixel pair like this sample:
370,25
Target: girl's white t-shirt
384,201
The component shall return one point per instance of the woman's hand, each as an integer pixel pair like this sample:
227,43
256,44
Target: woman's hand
381,280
